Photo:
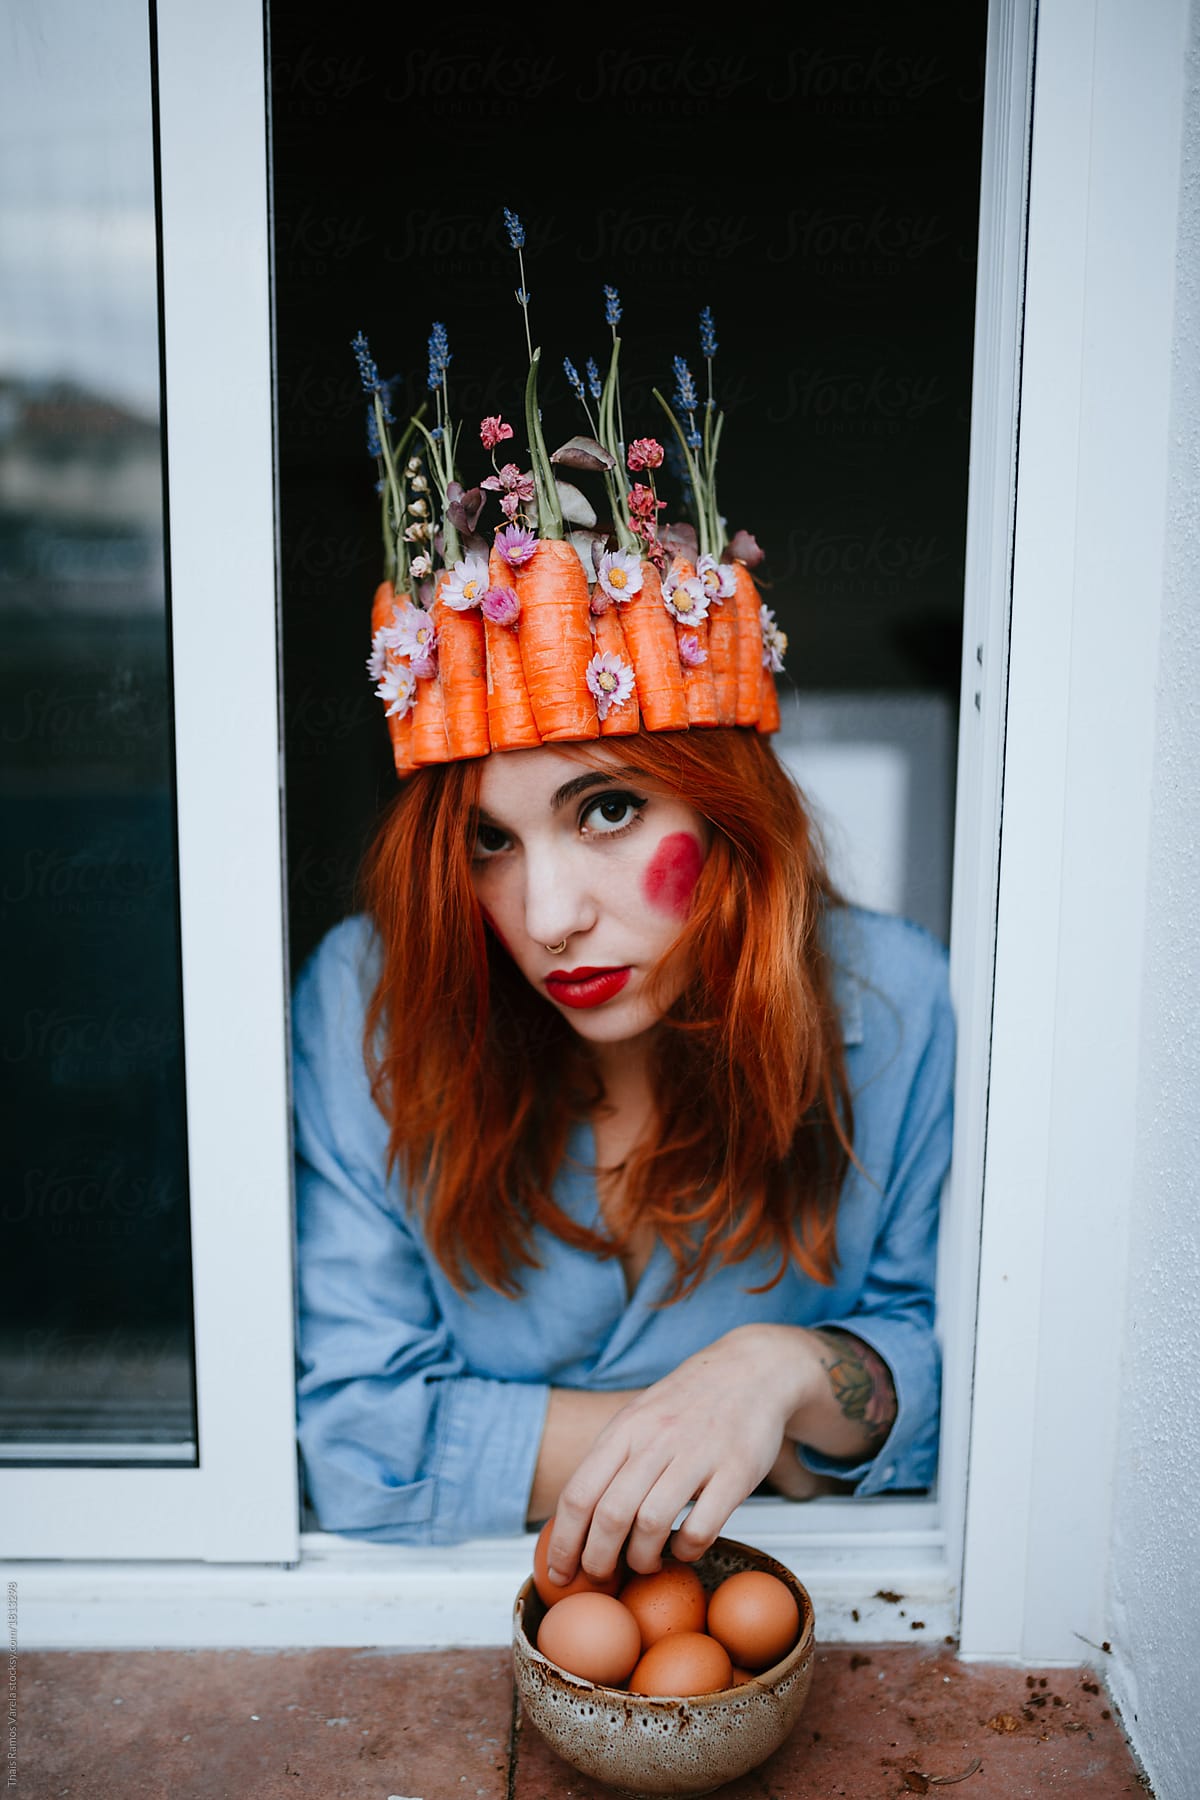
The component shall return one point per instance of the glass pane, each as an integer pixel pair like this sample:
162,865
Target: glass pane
96,1361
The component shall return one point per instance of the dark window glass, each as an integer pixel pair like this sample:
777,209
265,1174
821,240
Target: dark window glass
96,1356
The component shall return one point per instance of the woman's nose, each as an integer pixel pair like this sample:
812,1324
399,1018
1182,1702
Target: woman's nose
557,904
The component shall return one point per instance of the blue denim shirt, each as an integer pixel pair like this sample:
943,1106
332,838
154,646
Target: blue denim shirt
420,1410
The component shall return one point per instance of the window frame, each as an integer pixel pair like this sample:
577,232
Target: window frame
240,1502
240,1506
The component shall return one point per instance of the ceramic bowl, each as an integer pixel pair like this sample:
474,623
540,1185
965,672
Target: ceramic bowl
642,1745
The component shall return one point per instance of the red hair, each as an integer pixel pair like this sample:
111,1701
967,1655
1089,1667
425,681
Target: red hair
480,1078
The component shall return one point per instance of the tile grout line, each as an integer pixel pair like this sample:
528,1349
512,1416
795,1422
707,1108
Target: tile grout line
514,1733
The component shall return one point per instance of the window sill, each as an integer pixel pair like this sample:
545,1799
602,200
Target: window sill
849,1554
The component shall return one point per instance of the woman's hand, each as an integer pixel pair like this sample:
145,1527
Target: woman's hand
710,1432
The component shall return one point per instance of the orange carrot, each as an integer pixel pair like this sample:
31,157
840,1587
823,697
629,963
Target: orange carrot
463,675
724,628
556,642
749,646
510,716
621,720
387,604
698,685
654,652
429,723
768,717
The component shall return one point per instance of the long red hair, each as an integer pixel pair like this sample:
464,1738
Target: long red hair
480,1078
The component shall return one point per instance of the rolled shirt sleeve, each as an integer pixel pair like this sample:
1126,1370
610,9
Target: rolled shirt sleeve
399,1442
894,1310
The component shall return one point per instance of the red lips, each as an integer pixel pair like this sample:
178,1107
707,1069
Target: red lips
585,986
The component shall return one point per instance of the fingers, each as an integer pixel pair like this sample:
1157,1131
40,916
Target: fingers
575,1508
708,1517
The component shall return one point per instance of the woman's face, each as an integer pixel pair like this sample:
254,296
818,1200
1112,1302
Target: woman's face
602,859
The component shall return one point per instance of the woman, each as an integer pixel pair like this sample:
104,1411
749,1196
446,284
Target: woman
619,1141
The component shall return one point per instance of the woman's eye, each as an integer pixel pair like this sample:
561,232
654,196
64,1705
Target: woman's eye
612,813
488,839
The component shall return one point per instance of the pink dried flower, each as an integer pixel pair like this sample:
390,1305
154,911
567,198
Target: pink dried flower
691,651
510,480
610,680
644,453
643,503
501,606
510,505
493,431
516,544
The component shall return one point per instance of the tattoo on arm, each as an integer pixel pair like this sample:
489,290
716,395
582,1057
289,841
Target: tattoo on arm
861,1382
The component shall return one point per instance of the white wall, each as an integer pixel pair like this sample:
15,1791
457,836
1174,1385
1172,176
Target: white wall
1154,1601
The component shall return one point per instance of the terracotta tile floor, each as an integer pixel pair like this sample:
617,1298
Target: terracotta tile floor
441,1725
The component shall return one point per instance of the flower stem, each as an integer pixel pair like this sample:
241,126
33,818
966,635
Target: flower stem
699,496
550,521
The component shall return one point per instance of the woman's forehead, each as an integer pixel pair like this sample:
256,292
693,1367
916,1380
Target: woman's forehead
533,780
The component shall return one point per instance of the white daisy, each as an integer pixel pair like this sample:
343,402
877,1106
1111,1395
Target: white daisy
620,574
467,585
685,599
399,689
774,641
718,578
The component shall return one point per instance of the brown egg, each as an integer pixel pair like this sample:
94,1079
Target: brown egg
683,1662
591,1635
672,1599
741,1677
755,1616
549,1593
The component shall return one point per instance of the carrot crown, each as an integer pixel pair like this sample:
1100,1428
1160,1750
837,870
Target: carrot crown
551,624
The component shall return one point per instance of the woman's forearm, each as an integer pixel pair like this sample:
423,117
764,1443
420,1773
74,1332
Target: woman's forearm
574,1419
846,1399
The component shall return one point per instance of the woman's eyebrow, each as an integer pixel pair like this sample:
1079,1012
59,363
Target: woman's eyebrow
570,790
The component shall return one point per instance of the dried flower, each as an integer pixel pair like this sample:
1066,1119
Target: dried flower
708,332
610,680
419,533
612,306
644,504
493,431
595,385
684,597
467,584
516,231
511,480
620,574
413,634
501,606
572,374
420,566
718,578
439,355
399,688
510,505
644,453
774,641
691,651
516,545
685,387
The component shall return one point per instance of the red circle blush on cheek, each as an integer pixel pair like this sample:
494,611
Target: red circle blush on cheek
672,873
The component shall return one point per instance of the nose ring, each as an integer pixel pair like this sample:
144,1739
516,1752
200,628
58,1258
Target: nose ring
555,948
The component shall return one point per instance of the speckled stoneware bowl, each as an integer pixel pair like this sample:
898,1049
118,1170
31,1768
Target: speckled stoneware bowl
641,1745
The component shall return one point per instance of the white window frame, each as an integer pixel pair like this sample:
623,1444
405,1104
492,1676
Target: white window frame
240,1502
1086,299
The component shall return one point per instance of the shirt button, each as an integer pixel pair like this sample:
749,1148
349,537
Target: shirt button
889,1472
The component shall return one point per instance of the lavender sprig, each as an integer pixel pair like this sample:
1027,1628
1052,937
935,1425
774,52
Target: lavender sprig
516,237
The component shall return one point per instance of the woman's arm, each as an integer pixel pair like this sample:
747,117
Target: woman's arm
709,1432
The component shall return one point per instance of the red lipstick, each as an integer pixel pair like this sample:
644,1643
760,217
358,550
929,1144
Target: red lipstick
585,986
